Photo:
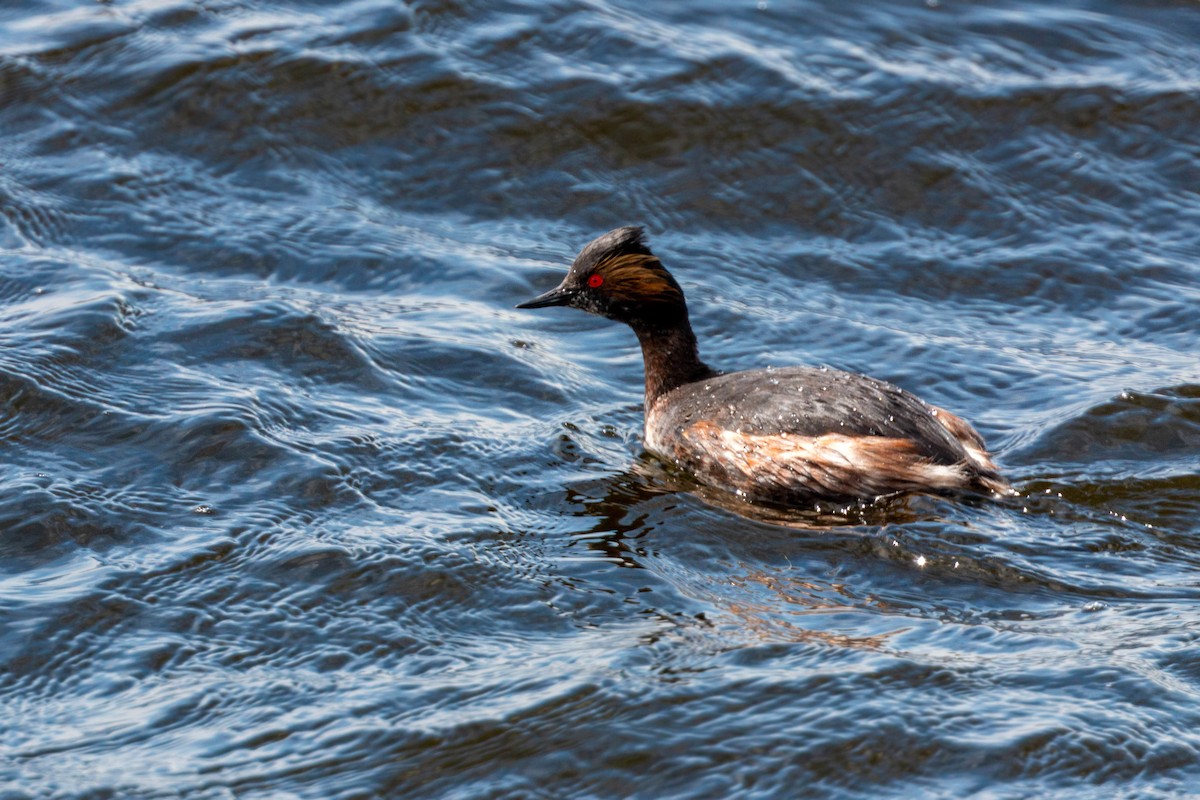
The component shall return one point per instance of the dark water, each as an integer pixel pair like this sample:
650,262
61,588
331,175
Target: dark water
296,505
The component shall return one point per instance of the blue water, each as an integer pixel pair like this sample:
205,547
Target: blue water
294,504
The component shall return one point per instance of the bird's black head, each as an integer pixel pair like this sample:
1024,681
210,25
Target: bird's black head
616,276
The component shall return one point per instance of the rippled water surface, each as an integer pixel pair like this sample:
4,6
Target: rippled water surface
294,504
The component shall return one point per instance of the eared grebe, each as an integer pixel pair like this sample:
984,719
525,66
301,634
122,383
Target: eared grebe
780,435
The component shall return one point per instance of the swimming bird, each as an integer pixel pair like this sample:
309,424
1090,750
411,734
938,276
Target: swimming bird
780,436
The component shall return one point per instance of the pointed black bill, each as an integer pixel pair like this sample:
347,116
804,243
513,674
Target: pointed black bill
555,297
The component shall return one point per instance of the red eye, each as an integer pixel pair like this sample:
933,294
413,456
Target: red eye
595,281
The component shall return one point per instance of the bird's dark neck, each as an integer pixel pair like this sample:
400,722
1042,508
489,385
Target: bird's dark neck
670,356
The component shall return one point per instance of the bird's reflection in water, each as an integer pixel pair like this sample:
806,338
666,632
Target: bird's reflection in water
623,504
743,570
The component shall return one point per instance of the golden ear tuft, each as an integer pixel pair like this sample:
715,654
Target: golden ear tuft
638,277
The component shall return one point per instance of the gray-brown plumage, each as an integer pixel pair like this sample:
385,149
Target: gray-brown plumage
781,435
